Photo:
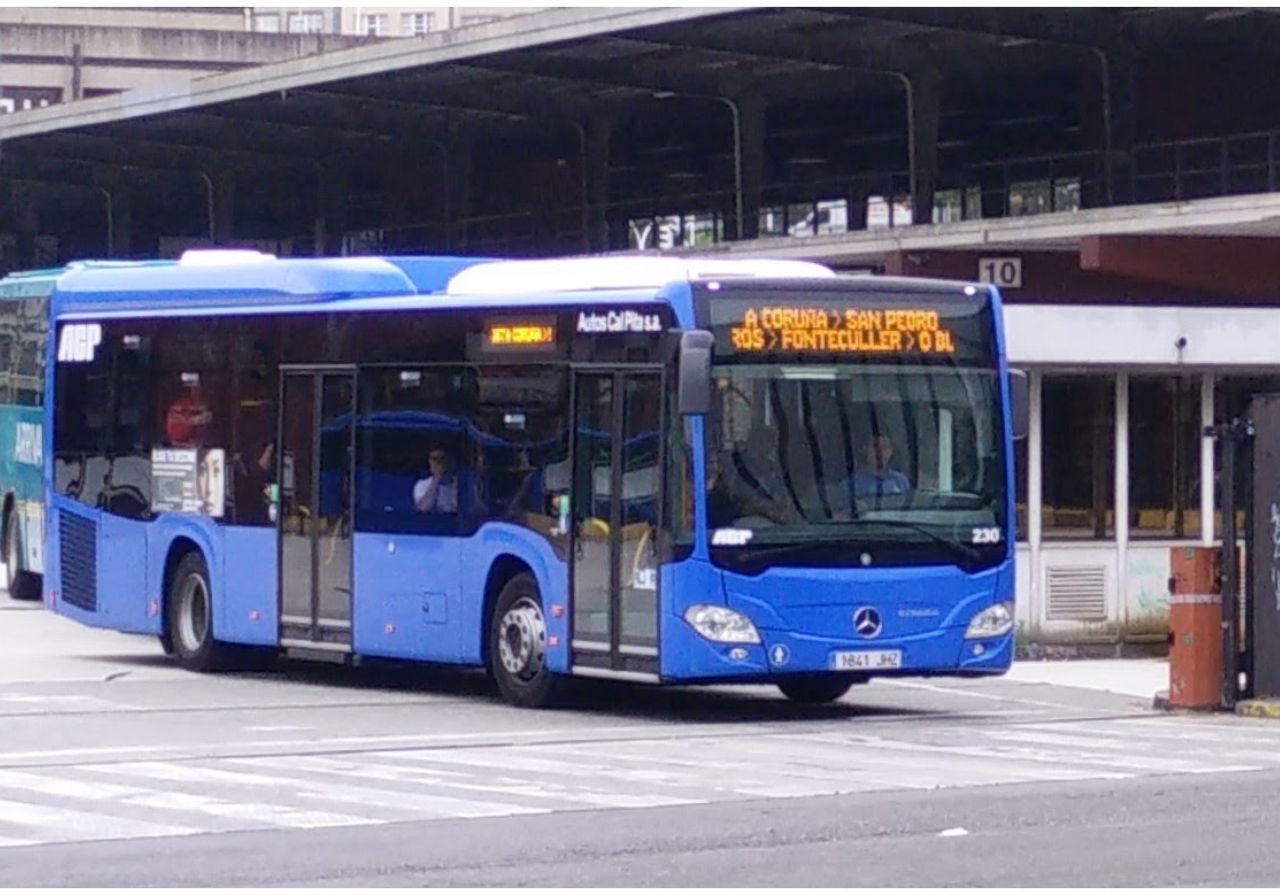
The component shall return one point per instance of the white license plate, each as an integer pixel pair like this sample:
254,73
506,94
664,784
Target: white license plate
866,660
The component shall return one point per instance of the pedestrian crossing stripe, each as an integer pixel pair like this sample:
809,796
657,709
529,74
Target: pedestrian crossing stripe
139,797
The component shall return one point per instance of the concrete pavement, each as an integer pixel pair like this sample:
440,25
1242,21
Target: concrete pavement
85,649
308,774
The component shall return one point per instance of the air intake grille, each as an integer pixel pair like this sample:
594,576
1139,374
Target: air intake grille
78,560
1077,593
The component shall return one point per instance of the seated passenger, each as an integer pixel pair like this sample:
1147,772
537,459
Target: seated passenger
880,477
438,492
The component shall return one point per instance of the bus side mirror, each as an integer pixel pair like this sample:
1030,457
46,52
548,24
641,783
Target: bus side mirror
693,391
1019,403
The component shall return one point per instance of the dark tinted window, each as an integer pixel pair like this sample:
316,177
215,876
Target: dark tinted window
442,449
1078,460
82,424
207,385
522,432
24,329
414,469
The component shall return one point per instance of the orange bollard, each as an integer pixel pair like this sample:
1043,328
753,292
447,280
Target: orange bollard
1195,622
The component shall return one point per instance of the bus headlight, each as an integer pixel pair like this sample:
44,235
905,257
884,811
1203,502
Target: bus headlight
993,621
721,625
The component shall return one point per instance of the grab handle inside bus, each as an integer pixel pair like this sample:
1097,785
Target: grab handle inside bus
694,389
1019,403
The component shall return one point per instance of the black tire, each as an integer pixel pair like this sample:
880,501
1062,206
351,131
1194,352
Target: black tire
518,646
21,584
815,690
188,610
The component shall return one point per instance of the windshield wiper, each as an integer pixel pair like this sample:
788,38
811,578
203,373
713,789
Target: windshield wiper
962,550
749,553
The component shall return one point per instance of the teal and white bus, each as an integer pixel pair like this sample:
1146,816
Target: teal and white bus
24,331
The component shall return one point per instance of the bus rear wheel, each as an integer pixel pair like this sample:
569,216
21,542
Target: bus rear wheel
21,584
518,645
815,690
189,616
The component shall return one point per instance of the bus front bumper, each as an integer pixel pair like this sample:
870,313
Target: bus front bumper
943,651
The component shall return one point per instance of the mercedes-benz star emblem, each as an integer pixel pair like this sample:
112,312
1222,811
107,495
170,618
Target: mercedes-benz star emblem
866,621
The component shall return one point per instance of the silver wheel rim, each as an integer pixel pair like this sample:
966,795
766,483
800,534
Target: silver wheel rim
522,640
193,619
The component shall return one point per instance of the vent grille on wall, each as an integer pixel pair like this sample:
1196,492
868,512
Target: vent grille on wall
1077,593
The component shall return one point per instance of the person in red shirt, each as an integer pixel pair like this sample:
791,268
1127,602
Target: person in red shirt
186,419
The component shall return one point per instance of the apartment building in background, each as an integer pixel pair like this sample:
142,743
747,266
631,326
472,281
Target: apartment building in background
375,21
56,54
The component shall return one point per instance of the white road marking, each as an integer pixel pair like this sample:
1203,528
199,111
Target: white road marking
551,789
527,773
421,806
55,824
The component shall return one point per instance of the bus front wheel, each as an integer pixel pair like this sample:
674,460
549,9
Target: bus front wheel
518,645
815,690
189,612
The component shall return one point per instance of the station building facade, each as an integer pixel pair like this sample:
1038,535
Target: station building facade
1129,360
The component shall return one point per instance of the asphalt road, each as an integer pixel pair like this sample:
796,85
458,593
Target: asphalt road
118,769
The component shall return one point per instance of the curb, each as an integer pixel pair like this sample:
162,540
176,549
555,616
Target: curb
1259,708
1252,708
1161,702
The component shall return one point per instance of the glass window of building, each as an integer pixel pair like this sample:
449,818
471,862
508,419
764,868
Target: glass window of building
1164,456
373,25
1231,397
417,23
1078,459
306,22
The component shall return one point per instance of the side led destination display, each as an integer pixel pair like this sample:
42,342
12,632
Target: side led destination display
835,331
528,334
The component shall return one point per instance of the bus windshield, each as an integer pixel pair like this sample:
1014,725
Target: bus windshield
837,463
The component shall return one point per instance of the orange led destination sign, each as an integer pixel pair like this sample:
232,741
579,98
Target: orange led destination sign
516,334
837,331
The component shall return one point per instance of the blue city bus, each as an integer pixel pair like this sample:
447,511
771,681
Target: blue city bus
642,469
24,333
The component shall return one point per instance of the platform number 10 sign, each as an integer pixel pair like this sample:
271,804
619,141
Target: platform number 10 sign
1005,273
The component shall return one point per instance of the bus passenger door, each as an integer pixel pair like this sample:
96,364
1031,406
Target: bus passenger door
615,505
317,441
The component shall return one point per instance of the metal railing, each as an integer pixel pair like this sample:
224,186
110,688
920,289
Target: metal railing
1155,172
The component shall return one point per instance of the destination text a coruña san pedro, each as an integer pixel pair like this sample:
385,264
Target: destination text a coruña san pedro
855,330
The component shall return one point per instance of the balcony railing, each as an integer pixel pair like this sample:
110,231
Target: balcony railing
1156,172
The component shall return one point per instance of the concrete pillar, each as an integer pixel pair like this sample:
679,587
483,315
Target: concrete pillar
119,220
751,114
1107,107
26,224
856,198
224,207
995,191
331,217
461,163
595,212
926,118
1124,114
